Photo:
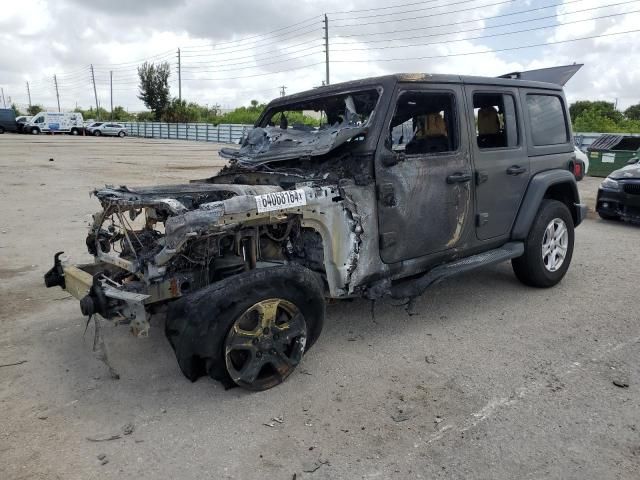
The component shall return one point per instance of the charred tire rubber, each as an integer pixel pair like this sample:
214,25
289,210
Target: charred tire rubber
198,325
531,268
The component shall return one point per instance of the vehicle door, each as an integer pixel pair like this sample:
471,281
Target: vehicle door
423,172
499,155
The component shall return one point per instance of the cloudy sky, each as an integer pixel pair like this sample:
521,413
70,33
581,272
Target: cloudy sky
235,51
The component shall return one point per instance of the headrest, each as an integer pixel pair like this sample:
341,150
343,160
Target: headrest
435,126
488,121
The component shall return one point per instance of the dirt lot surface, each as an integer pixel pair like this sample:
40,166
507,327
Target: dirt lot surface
484,378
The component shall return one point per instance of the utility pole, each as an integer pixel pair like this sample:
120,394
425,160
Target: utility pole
95,92
283,90
326,47
29,94
55,81
3,102
111,91
179,77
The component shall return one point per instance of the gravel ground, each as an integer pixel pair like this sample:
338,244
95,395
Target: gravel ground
483,378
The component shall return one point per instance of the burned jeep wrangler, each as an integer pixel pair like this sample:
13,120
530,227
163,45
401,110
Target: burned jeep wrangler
403,180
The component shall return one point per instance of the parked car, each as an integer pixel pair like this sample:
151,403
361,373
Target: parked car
619,193
90,126
8,120
245,259
583,159
109,129
22,121
55,122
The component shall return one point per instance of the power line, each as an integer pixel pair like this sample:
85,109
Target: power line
267,46
487,36
315,17
502,2
476,29
257,74
256,65
384,8
422,28
428,57
306,44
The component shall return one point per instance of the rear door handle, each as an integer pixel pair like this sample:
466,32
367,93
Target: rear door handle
459,177
515,170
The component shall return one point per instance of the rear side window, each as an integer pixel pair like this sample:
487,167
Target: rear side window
548,121
495,120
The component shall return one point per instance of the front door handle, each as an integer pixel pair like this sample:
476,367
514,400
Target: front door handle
459,177
515,170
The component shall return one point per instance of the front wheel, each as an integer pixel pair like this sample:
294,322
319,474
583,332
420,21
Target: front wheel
548,247
249,330
1,130
121,134
96,133
35,131
74,131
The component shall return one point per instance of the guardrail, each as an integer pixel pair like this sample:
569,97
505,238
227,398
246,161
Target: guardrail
200,132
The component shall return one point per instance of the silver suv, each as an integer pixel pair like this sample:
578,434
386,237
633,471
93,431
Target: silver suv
109,129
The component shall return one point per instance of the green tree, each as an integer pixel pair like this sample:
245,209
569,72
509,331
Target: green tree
591,120
34,109
154,87
121,115
633,112
15,109
605,109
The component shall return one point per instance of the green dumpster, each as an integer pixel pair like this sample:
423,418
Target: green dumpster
611,152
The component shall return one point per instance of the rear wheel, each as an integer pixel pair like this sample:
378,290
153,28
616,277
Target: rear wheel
250,329
548,247
1,130
74,131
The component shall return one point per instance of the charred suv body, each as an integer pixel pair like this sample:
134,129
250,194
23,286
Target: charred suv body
387,185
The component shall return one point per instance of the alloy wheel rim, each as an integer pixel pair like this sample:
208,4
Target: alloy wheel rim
555,244
265,344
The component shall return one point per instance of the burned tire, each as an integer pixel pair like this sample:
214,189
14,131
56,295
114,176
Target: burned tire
548,247
250,329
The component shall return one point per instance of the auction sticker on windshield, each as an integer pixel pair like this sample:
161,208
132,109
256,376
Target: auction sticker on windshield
269,202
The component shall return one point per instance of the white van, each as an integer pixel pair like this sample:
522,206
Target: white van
70,122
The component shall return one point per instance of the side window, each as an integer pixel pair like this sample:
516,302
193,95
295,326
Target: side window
424,123
495,120
548,121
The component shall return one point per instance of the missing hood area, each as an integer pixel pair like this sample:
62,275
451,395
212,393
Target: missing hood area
306,129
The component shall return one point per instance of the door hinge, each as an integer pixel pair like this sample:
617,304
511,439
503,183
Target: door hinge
481,177
482,219
387,194
388,239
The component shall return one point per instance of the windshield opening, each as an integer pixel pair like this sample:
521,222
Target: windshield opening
349,109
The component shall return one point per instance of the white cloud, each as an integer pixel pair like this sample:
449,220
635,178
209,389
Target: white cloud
65,37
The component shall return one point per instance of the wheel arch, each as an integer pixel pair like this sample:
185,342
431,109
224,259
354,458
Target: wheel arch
552,185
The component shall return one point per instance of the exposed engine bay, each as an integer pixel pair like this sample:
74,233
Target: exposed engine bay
289,195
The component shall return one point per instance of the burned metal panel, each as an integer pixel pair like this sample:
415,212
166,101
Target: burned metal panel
421,210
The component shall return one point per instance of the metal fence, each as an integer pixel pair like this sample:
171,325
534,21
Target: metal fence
202,132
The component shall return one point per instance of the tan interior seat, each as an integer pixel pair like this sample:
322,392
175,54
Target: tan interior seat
488,121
